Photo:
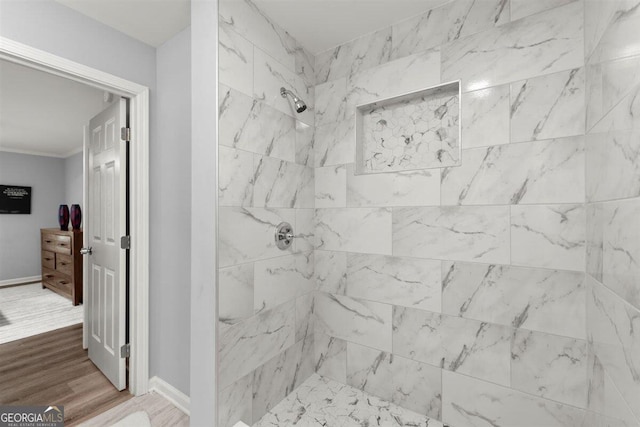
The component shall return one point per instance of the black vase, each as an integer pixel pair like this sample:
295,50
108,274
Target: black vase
63,217
76,217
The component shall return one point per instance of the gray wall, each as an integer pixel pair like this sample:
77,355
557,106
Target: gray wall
73,178
47,25
170,198
204,173
20,234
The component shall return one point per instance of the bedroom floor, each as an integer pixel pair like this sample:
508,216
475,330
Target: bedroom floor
53,369
320,401
28,310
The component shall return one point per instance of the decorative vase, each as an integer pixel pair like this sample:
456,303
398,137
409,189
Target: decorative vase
76,217
63,217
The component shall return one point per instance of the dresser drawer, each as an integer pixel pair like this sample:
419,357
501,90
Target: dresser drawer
56,243
48,259
58,282
48,274
64,264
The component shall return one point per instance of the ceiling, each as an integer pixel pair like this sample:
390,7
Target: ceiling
41,113
151,21
317,24
323,24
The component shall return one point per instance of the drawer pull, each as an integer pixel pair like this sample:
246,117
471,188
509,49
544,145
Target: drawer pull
48,259
48,276
63,282
47,241
63,263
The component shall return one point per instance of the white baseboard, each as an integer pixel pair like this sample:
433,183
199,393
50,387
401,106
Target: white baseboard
20,280
172,394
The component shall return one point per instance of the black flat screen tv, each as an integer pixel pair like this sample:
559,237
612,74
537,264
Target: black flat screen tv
15,199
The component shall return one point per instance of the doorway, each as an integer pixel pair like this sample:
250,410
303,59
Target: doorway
138,189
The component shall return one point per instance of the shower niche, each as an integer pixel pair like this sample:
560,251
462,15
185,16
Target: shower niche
417,130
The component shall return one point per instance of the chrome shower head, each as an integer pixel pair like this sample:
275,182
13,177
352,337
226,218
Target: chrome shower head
299,103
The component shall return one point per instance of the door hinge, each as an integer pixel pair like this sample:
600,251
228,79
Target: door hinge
125,351
125,242
125,134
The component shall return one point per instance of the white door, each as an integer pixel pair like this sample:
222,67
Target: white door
105,224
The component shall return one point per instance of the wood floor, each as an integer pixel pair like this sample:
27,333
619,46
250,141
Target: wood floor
53,369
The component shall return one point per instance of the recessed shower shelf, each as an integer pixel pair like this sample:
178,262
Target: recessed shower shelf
417,130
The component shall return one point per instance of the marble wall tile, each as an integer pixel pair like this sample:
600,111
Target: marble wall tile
331,102
331,271
282,184
305,140
539,44
613,162
550,366
235,293
243,17
611,29
550,301
348,59
612,86
471,402
249,125
282,279
615,340
235,177
305,65
365,230
460,233
408,282
417,386
235,60
536,172
234,403
274,380
407,383
331,357
549,106
246,234
456,344
335,144
245,346
443,24
362,322
605,399
410,188
623,116
594,239
305,326
331,187
621,249
303,230
485,117
269,76
551,236
370,370
418,71
522,8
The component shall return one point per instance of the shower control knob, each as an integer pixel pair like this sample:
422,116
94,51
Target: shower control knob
284,235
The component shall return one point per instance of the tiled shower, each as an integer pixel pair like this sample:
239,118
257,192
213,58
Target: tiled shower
501,291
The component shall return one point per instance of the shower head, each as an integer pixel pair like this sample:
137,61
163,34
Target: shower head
299,103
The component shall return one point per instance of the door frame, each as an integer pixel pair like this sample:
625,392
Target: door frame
13,51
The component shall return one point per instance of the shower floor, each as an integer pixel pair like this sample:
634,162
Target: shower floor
320,401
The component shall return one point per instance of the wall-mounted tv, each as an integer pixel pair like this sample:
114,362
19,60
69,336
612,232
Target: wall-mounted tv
15,199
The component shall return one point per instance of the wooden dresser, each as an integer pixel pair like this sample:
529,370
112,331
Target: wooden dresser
62,262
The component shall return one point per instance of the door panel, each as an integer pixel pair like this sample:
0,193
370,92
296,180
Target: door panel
106,223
